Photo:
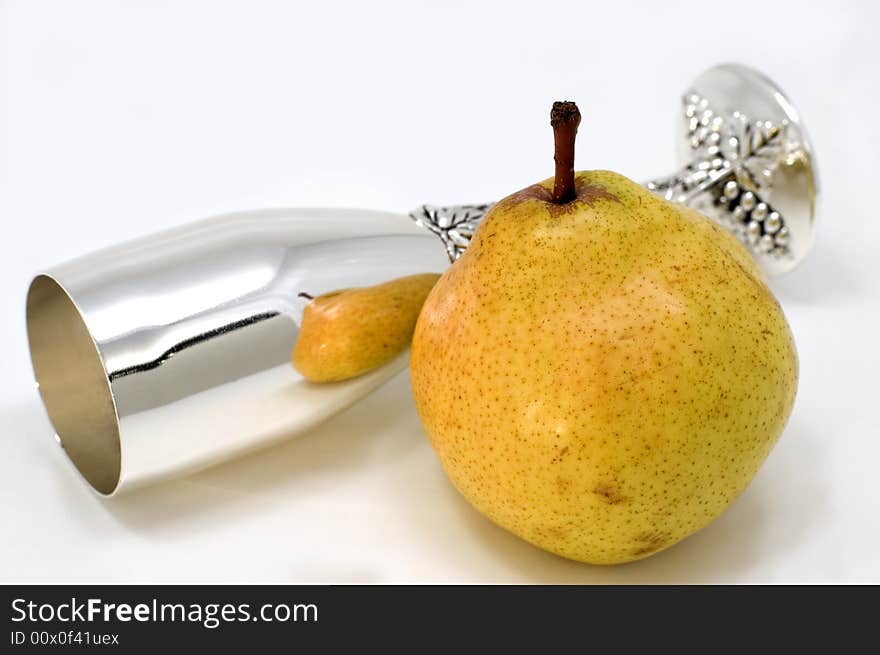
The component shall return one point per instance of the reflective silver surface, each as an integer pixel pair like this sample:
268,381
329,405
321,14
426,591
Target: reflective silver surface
194,330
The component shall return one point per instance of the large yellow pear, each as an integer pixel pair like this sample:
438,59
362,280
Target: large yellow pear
602,377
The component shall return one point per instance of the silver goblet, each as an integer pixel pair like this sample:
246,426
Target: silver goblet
171,353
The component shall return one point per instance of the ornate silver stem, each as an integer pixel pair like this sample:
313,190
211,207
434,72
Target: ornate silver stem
755,177
731,173
454,225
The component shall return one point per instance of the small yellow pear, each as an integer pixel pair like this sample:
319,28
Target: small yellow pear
602,372
353,331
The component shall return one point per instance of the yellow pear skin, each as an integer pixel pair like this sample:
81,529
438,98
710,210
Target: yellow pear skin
350,332
602,377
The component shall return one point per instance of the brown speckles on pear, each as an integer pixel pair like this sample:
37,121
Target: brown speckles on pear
649,542
563,485
609,493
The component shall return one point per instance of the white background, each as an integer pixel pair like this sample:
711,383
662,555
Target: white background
118,119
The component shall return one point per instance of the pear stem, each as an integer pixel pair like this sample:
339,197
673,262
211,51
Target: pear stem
565,118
